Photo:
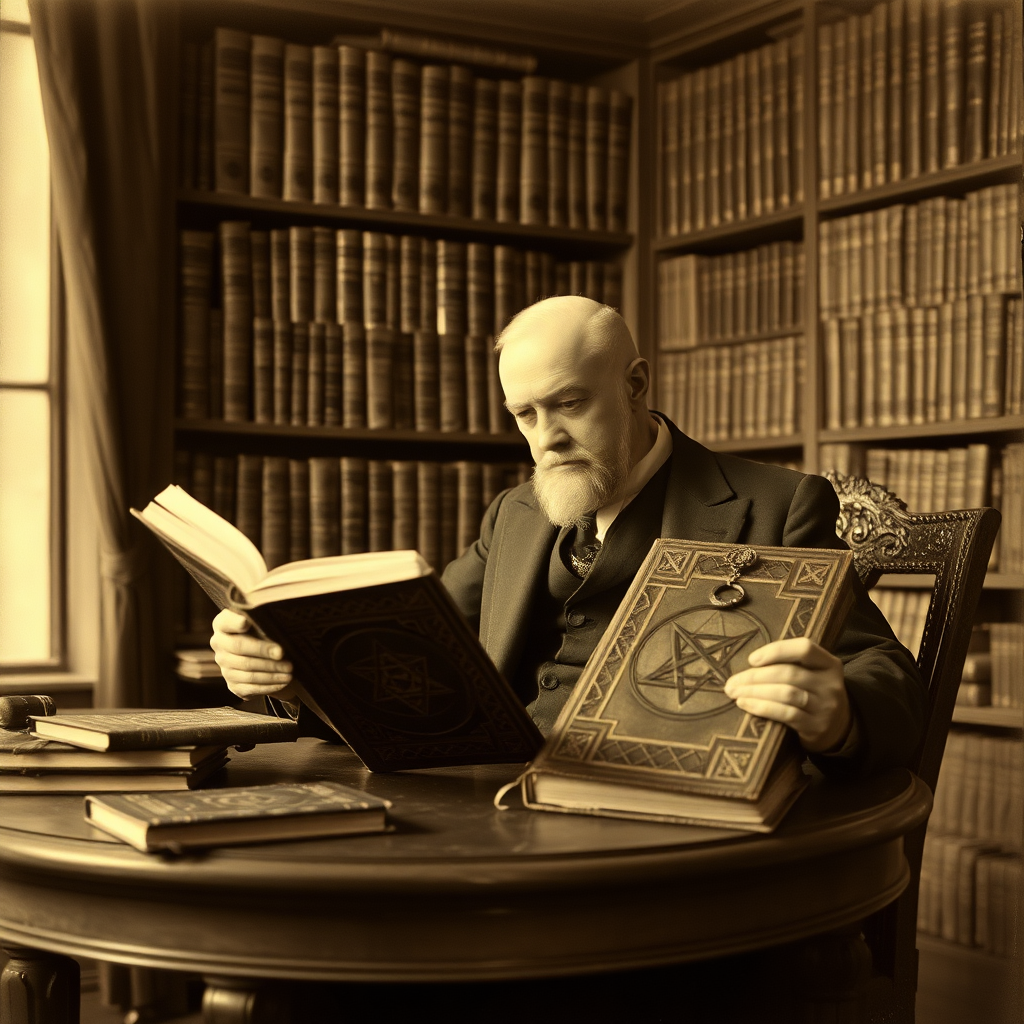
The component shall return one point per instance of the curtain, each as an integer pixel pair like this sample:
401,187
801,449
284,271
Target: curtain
104,71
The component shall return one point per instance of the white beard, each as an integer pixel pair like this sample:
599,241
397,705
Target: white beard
568,493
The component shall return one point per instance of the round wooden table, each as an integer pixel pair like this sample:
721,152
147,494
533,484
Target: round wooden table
457,891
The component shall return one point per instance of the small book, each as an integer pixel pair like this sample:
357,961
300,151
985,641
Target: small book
649,732
379,649
114,779
149,730
249,814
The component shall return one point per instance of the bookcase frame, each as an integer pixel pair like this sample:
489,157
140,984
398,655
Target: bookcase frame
954,977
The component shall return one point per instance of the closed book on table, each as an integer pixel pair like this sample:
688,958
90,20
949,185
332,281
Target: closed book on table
246,814
151,729
382,653
649,731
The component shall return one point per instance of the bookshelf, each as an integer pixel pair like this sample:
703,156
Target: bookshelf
859,160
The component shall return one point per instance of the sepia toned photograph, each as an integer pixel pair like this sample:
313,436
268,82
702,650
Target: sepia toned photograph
511,512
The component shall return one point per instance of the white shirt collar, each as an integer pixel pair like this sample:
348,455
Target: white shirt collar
638,477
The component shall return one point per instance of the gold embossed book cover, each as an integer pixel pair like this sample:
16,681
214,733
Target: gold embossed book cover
649,731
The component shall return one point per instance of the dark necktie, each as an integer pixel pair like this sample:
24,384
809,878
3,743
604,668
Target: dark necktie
585,547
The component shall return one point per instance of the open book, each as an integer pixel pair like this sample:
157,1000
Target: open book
380,651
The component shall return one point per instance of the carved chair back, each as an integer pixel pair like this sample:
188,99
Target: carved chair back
954,547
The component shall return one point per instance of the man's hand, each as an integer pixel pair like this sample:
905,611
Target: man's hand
250,666
800,684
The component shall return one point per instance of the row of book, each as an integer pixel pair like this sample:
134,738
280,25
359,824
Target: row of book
294,508
730,297
730,139
920,254
992,676
970,894
961,360
930,479
722,392
381,330
914,86
360,128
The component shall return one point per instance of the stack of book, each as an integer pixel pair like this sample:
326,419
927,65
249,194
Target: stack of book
128,750
731,297
749,390
293,509
914,86
905,611
730,139
314,326
971,869
354,126
991,676
921,312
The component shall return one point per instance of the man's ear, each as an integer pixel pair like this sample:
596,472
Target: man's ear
638,377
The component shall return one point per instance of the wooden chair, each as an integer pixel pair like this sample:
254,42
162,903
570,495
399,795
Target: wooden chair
954,547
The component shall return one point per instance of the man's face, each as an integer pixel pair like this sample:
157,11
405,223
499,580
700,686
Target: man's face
572,406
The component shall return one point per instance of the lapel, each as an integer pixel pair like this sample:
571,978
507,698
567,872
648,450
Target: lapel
517,565
699,503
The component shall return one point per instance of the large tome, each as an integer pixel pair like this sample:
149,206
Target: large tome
649,731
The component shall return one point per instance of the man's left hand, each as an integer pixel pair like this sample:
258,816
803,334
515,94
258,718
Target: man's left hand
800,684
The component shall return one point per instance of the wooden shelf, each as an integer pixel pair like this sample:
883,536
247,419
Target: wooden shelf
949,428
998,170
271,438
1006,718
215,204
768,227
925,581
756,444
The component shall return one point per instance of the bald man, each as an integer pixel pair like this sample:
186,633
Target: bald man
555,556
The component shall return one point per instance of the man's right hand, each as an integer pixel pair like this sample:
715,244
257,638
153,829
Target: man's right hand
250,666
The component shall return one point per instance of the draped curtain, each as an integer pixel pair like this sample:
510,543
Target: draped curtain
103,68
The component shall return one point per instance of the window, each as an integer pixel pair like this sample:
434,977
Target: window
31,527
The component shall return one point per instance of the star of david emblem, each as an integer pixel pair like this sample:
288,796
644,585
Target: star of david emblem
683,666
397,678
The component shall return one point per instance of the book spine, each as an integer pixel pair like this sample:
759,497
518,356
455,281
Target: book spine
448,513
275,542
216,362
324,507
236,282
577,156
300,374
380,345
280,275
510,107
188,114
912,131
796,135
325,275
353,348
896,97
533,189
352,127
249,496
298,510
713,146
231,75
428,512
205,173
783,182
266,117
470,504
298,123
866,107
315,382
263,369
196,270
477,355
460,143
354,483
326,124
433,188
300,265
740,160
953,83
405,96
379,510
349,285
557,154
485,149
403,379
405,505
976,127
851,143
333,375
727,185
259,245
700,121
378,131
826,71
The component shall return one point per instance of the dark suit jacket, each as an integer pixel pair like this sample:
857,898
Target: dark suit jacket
716,498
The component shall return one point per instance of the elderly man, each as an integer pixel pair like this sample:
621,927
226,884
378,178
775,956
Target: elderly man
556,556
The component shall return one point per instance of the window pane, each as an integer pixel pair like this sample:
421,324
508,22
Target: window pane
14,10
24,216
24,526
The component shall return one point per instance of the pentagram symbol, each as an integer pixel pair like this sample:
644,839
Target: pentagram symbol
681,668
404,678
401,679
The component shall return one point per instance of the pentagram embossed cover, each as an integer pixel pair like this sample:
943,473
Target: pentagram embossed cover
380,652
649,731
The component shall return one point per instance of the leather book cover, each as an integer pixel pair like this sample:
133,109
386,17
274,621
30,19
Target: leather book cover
650,708
400,675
